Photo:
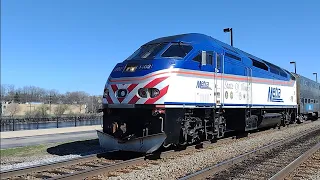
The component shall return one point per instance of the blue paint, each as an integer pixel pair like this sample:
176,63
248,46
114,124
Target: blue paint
236,61
309,107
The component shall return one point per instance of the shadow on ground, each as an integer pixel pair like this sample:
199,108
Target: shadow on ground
82,148
88,147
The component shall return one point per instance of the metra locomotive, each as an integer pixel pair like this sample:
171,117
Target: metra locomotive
184,89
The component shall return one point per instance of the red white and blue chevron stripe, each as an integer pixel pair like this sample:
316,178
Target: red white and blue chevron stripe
132,96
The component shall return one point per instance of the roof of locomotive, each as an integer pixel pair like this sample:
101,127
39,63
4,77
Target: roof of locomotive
188,37
198,38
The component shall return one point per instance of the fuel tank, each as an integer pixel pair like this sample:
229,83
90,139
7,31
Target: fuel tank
270,119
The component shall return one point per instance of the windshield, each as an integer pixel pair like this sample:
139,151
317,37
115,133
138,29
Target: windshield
148,51
177,50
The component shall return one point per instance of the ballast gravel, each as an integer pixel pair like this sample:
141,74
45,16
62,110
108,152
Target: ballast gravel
179,166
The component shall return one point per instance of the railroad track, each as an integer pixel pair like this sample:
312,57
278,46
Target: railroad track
51,170
107,163
307,166
94,164
87,166
262,163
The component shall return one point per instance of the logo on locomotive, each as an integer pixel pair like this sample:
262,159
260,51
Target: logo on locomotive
274,95
203,85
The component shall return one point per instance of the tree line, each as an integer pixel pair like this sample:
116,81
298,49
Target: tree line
27,94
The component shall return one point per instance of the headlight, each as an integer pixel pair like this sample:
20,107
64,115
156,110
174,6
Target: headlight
154,92
142,92
151,92
122,93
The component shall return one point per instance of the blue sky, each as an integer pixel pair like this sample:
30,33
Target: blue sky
72,45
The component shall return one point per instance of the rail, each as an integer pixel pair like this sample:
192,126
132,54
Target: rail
95,168
44,167
228,163
295,164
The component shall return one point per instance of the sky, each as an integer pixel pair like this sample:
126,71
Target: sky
72,45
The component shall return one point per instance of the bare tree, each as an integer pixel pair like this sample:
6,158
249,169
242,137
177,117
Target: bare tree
78,98
61,99
60,109
41,111
37,94
93,103
3,91
53,96
82,99
11,92
13,109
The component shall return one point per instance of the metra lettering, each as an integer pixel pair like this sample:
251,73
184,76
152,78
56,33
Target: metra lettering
203,85
274,95
228,85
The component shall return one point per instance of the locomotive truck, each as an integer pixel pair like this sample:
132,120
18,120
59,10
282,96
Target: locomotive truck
188,88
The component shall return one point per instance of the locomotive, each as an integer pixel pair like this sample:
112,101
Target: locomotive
188,88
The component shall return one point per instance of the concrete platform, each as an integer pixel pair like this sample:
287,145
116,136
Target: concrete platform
37,132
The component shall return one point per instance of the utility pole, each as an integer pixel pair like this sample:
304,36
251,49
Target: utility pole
231,34
50,99
316,76
295,66
31,107
92,104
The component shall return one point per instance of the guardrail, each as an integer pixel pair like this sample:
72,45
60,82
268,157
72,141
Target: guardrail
28,123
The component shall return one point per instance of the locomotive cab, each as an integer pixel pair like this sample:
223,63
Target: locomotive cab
135,117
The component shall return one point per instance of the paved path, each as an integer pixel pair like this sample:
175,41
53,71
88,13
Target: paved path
42,136
35,132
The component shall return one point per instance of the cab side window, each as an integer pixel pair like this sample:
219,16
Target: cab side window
198,58
219,61
210,59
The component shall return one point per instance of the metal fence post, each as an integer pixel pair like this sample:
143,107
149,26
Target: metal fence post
57,122
75,121
13,124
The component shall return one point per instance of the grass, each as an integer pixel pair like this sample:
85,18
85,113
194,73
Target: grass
35,149
24,151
